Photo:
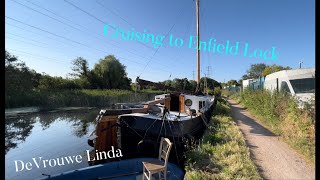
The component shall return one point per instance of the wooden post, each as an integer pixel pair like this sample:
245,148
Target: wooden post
107,136
181,104
167,103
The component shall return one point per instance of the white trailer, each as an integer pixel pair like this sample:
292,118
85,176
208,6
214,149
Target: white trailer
246,83
300,83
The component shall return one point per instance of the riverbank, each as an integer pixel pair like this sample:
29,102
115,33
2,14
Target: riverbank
223,153
280,114
48,100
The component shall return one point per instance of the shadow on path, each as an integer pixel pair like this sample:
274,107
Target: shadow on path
256,128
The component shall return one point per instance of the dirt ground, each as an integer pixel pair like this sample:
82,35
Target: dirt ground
274,158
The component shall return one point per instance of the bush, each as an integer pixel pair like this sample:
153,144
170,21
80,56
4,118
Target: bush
226,93
217,91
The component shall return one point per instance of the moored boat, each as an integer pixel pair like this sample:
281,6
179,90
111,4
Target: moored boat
174,115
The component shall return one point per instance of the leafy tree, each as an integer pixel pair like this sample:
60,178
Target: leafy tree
49,83
81,71
180,84
167,84
211,83
109,73
255,71
80,67
192,86
273,68
232,82
245,76
259,70
19,79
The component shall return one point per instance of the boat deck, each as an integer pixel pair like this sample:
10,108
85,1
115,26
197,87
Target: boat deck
173,116
130,169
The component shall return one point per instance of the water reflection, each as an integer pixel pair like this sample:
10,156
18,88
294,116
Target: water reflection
17,129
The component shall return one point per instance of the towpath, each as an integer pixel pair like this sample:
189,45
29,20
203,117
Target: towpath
274,158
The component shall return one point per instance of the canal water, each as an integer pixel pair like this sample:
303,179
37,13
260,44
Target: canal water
49,135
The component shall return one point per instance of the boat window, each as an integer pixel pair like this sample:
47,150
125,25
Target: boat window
200,104
284,87
188,102
306,85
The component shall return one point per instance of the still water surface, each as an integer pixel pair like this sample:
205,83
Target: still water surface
50,136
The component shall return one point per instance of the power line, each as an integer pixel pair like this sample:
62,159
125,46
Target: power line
26,42
41,7
75,27
114,13
51,17
159,47
26,38
185,35
65,38
76,41
77,7
91,15
44,14
61,51
118,56
54,60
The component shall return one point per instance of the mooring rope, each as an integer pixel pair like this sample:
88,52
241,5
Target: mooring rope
174,143
204,119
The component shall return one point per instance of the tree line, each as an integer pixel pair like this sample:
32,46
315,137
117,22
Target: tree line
256,71
108,73
25,86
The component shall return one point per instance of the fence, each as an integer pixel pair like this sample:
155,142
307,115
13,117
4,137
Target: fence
256,84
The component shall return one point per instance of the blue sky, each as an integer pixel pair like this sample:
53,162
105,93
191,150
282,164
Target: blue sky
48,35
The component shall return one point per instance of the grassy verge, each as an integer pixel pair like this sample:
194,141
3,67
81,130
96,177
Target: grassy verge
223,153
78,98
280,114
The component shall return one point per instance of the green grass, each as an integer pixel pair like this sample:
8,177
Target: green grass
226,93
280,114
223,153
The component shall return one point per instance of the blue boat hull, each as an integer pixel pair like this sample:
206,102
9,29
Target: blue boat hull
128,169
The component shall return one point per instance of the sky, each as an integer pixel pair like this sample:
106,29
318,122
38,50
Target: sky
48,35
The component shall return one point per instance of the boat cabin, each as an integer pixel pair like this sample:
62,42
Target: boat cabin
184,103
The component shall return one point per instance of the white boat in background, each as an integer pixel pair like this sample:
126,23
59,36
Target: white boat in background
300,83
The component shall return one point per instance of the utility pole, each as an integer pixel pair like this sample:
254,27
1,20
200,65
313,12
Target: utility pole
205,84
300,64
208,75
198,43
193,75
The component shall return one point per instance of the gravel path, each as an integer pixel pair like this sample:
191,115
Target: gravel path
274,158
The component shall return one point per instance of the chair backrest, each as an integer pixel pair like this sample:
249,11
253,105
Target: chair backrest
164,150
